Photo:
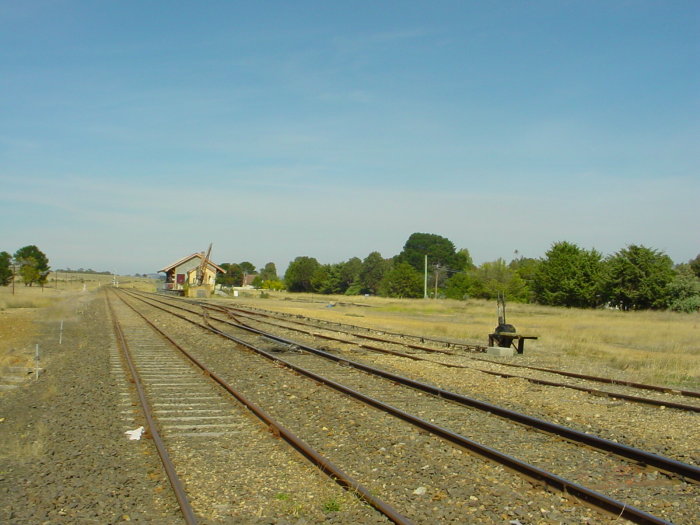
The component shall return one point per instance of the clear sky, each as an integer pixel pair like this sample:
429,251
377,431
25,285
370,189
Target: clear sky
133,133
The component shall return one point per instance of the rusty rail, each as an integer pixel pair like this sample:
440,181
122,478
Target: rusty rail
173,478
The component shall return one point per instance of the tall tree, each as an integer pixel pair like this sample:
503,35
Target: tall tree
402,281
569,276
526,268
33,265
233,275
269,272
5,268
300,273
374,267
638,278
459,286
327,279
247,267
494,278
468,262
440,251
350,275
695,265
684,290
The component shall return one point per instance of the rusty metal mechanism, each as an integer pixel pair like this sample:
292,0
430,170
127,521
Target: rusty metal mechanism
503,334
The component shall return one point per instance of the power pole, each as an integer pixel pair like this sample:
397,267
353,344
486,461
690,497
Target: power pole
437,273
425,278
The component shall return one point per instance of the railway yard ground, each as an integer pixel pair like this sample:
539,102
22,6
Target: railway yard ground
303,368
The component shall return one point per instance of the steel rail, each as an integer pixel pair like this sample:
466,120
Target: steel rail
642,386
593,497
607,380
324,464
361,336
635,454
691,472
589,390
447,343
173,478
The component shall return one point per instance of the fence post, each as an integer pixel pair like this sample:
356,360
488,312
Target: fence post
36,366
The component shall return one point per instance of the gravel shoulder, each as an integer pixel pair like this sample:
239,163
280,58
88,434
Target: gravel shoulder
64,457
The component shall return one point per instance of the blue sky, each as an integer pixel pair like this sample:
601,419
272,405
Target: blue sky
133,133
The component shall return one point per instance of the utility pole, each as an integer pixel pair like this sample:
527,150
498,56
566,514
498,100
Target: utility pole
437,273
425,278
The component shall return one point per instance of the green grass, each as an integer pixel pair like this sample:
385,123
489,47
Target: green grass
331,505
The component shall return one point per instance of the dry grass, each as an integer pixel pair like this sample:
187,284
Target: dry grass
653,347
20,310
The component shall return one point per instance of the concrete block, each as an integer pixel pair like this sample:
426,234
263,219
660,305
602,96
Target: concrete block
500,351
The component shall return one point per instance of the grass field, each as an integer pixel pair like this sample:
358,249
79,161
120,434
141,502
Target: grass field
654,347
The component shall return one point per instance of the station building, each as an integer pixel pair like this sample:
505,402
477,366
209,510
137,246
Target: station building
182,275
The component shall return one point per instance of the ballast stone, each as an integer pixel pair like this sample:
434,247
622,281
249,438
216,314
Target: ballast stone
500,351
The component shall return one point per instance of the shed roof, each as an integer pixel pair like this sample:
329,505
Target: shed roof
185,259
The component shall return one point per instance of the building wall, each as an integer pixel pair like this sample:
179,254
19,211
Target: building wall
209,275
188,271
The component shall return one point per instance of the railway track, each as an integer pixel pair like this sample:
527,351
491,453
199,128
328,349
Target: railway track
466,427
205,435
664,396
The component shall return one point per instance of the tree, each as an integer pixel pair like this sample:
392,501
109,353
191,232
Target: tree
273,284
466,256
526,268
233,275
695,265
402,281
638,278
247,267
350,276
326,279
5,268
269,272
459,286
569,276
33,265
440,252
684,290
374,267
300,273
494,278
